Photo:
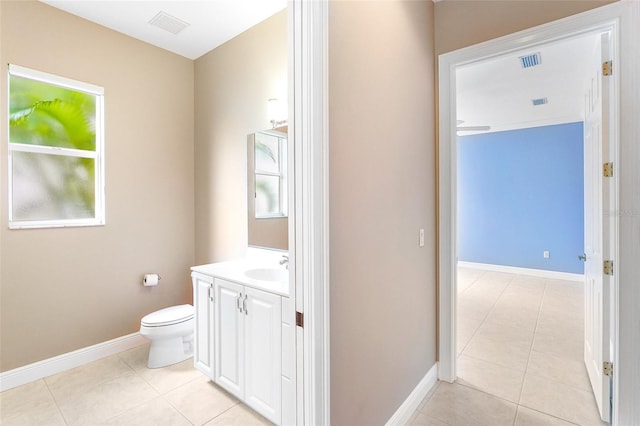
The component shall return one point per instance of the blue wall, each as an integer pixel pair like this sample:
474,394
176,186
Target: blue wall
520,193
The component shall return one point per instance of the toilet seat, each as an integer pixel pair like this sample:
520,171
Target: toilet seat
168,316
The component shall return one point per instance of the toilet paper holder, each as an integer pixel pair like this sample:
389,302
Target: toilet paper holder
151,280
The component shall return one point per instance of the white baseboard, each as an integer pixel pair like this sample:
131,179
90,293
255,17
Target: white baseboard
411,404
32,372
523,271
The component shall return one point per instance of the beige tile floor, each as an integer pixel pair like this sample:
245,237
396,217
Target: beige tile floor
121,390
519,363
520,342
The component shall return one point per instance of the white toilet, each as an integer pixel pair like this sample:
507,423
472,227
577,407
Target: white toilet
171,333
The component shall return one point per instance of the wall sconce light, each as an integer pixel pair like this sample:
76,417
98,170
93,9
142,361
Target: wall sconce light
277,113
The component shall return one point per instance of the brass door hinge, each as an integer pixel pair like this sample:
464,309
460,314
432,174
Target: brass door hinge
300,319
607,368
607,68
607,169
607,267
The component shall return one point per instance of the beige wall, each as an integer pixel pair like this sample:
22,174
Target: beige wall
64,289
382,191
234,82
461,23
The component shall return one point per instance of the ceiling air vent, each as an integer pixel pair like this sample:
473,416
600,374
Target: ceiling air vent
539,101
168,23
529,61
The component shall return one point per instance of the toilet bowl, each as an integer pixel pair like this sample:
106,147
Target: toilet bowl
171,333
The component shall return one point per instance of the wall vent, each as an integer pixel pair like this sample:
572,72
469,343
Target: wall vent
539,101
168,23
529,61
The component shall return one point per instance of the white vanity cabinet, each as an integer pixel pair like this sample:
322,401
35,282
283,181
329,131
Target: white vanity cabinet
239,335
229,341
263,353
248,346
204,320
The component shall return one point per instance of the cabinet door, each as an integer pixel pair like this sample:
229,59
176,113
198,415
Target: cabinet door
228,337
263,369
203,344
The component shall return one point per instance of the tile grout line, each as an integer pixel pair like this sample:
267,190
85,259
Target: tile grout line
474,281
486,393
547,414
55,401
494,364
163,396
176,408
483,319
221,413
517,404
535,329
479,327
572,386
135,373
423,404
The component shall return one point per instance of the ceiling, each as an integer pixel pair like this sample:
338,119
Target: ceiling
210,22
499,92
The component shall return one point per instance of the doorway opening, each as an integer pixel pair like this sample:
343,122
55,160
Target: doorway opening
524,45
520,194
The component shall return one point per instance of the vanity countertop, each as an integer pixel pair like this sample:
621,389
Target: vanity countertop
235,270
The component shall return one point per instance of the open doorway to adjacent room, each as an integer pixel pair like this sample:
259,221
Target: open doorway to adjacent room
531,125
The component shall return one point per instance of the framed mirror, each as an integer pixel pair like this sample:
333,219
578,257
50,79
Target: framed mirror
267,201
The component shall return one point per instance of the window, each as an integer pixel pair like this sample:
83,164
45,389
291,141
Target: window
56,163
271,178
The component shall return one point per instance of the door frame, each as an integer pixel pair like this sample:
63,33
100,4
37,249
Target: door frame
309,229
622,15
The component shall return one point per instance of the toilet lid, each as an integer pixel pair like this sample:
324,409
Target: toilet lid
168,316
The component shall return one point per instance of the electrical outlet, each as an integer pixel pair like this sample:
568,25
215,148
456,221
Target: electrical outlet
545,254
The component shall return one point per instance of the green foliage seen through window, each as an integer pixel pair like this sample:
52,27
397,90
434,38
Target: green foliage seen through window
53,146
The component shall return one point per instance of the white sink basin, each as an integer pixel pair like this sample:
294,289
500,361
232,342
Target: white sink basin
268,274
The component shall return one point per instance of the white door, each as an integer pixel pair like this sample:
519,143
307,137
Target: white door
596,191
263,377
228,337
203,300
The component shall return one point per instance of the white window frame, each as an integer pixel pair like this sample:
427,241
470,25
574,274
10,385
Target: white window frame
282,176
97,154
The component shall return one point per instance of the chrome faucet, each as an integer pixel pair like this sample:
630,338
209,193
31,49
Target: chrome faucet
285,261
